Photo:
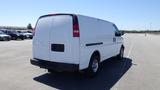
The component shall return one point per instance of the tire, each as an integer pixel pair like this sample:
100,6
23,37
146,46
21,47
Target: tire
16,38
121,53
93,66
22,38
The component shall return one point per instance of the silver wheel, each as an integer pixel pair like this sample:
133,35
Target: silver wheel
95,65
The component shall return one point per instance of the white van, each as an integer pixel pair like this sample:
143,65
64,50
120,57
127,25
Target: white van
72,42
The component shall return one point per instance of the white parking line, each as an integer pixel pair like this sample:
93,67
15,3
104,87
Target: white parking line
129,52
131,47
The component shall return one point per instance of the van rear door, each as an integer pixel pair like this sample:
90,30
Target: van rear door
41,45
64,47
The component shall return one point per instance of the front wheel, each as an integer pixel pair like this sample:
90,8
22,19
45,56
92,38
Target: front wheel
121,54
22,38
8,39
93,66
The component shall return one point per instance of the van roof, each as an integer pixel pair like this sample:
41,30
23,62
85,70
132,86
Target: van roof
56,14
47,15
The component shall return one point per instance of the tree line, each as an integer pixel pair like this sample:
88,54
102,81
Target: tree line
28,27
141,31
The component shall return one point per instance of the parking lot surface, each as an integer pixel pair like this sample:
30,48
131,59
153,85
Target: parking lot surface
138,71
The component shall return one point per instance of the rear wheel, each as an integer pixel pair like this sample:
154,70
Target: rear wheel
121,54
93,66
22,38
8,39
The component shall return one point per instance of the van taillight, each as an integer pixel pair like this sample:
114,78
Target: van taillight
76,32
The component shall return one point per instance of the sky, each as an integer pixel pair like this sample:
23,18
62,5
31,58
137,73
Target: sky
126,14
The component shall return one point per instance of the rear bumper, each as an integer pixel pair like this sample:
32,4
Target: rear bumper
54,65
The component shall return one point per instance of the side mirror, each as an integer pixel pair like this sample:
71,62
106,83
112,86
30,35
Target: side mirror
118,34
122,33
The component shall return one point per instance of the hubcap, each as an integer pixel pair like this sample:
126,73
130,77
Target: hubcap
95,65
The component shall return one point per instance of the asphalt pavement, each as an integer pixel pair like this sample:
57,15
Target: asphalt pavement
139,70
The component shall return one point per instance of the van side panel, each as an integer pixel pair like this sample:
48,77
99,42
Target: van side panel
109,40
95,35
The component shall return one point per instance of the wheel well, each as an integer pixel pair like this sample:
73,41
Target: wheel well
96,53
